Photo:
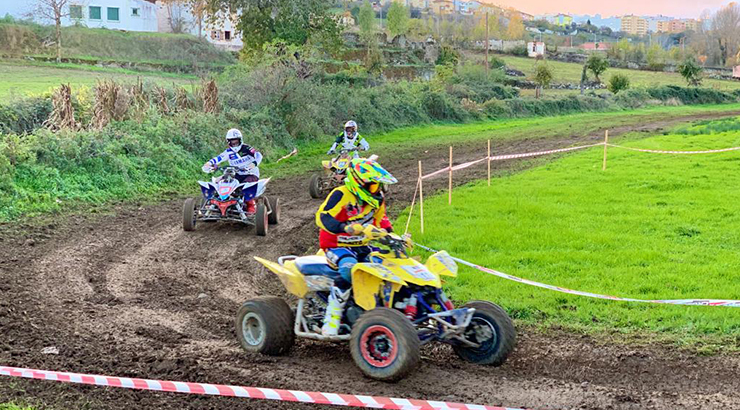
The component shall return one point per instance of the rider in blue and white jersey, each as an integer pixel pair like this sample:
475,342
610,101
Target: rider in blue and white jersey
241,156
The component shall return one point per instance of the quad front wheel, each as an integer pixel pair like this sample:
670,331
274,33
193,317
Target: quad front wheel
188,215
314,186
492,329
385,345
260,219
265,325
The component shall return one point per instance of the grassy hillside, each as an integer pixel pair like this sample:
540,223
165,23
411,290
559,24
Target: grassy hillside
171,52
571,73
18,79
650,227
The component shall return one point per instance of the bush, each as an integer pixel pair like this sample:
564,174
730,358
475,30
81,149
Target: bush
618,82
496,62
448,56
24,115
691,95
634,98
519,51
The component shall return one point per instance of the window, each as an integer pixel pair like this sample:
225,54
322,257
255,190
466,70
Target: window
227,35
135,12
95,13
112,13
75,11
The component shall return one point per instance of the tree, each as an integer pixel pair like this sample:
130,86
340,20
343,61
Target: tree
597,65
726,32
542,76
176,14
398,19
691,71
294,22
52,10
584,77
618,82
515,31
366,21
656,57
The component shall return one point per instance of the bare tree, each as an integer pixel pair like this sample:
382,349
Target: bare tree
176,13
52,10
726,31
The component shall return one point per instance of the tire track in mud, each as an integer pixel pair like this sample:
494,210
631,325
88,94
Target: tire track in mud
134,295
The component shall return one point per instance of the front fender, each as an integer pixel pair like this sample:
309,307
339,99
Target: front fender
370,280
442,264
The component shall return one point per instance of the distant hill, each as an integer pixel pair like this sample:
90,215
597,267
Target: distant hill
172,52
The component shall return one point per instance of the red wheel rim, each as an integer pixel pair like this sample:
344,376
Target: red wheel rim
378,346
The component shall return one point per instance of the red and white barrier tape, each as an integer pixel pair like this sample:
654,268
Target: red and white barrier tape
555,151
712,151
505,157
347,400
684,302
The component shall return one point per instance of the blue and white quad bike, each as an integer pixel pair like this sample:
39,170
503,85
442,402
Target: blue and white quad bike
225,199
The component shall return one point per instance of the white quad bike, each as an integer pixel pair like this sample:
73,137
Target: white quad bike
225,199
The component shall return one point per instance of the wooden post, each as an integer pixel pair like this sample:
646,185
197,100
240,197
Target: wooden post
606,142
449,200
489,162
421,198
487,44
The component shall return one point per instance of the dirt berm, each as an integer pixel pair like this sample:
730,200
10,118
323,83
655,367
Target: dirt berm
131,294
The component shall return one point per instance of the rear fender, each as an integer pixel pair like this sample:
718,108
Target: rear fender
370,280
442,264
293,280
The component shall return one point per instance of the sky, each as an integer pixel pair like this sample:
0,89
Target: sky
673,8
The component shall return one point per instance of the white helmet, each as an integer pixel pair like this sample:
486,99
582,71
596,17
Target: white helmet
350,124
234,134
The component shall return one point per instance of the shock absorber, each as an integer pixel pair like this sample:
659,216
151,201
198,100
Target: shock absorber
446,301
411,309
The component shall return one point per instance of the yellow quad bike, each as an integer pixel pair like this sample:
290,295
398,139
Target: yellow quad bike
395,306
333,174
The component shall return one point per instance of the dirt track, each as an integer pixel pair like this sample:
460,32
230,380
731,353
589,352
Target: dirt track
134,295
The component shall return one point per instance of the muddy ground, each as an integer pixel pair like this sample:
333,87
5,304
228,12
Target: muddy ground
131,294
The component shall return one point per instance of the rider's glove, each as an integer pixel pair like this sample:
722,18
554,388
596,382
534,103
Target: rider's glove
331,152
207,168
354,229
373,232
408,242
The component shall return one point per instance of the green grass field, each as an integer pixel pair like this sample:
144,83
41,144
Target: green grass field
571,73
11,406
409,140
650,227
22,79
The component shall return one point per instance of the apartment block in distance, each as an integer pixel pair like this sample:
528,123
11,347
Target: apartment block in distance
677,26
634,25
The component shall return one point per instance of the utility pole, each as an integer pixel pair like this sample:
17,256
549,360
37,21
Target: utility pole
488,44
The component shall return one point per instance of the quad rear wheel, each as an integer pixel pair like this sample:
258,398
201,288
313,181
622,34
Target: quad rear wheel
385,345
188,215
274,217
493,330
265,325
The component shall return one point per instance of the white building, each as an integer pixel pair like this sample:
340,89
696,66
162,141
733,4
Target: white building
131,15
176,17
536,49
